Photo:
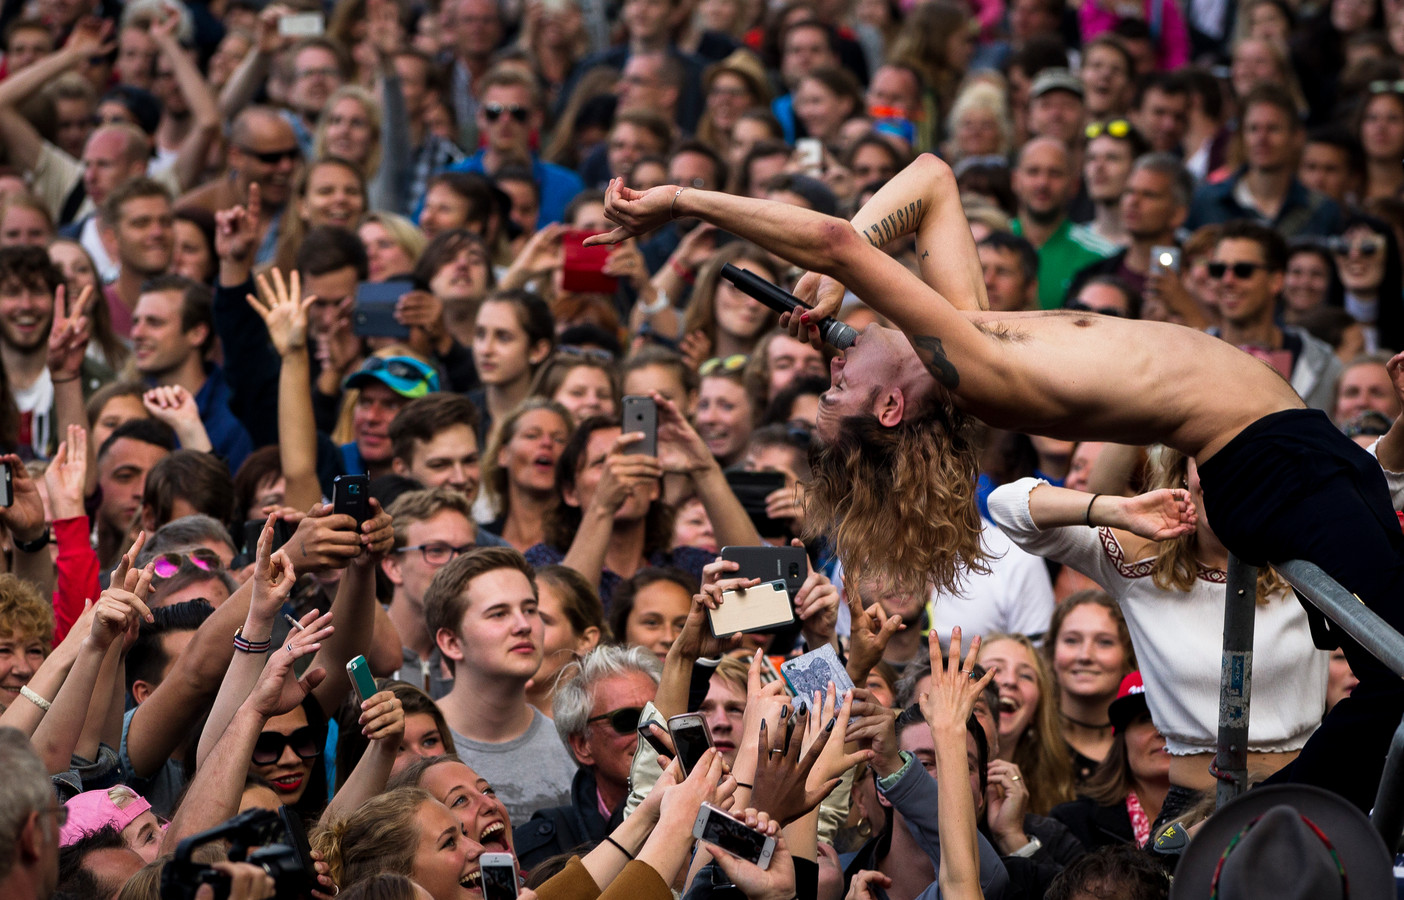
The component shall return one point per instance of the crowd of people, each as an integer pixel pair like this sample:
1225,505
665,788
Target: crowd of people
249,251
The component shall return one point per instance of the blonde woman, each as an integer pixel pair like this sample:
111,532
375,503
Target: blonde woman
979,123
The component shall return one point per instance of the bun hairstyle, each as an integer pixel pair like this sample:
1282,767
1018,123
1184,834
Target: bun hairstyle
380,836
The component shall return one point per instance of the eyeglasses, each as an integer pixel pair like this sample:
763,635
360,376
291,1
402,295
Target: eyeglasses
494,111
1117,128
305,742
1365,246
438,553
273,157
1241,270
60,814
623,721
575,351
1387,87
731,363
1079,306
168,564
324,72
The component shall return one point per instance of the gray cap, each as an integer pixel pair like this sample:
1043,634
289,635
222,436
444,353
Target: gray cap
1055,80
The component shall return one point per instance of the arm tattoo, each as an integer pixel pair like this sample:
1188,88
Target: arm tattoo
899,222
933,356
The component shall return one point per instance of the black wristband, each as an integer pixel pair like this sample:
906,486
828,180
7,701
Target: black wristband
35,545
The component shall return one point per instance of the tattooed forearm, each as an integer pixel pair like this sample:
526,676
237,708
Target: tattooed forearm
897,223
933,356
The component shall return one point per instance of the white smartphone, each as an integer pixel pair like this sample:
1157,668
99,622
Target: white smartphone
500,879
764,607
809,152
1165,259
310,24
732,835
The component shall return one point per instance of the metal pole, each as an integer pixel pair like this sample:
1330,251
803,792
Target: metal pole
1388,815
1346,612
1236,680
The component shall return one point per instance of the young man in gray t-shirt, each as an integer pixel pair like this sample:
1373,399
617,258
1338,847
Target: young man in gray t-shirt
481,609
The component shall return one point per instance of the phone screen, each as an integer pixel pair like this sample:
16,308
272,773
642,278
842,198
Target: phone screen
691,739
733,836
499,882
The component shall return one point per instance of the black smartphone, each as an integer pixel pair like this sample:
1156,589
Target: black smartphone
751,488
351,497
374,312
732,835
654,740
787,564
691,737
641,414
7,485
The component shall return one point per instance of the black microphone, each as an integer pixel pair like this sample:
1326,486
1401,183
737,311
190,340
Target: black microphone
835,333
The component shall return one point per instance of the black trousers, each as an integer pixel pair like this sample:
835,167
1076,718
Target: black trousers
1292,486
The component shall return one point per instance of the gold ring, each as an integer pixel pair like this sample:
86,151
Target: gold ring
1015,777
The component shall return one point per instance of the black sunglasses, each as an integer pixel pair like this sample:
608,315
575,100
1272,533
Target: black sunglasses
269,749
273,157
1079,306
623,721
494,111
1241,270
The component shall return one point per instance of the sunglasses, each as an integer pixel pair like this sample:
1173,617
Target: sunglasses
1387,87
1241,270
273,157
168,564
305,742
494,111
623,721
1079,306
1117,128
732,363
1365,246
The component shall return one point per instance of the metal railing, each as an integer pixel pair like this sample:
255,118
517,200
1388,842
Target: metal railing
1348,614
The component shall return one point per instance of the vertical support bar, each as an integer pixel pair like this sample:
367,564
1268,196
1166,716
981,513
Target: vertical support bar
1388,814
1236,680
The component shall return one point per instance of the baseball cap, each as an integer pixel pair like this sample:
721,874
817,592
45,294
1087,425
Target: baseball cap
91,810
405,375
1055,80
1130,702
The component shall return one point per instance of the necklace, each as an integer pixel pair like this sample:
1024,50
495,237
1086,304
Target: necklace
1084,724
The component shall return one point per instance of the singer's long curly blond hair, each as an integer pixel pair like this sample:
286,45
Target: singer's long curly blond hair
899,503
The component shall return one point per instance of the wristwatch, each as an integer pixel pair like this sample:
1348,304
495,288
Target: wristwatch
1029,849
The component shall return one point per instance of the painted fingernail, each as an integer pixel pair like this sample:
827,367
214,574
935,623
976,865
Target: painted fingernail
830,726
804,317
784,713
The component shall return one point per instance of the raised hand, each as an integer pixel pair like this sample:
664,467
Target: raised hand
173,405
696,640
873,726
695,348
283,309
1157,515
680,447
69,334
625,473
861,885
279,689
238,228
950,699
781,782
423,313
273,577
870,630
384,31
24,517
816,606
164,28
377,534
66,477
1006,801
120,608
832,761
383,719
90,37
635,212
323,540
